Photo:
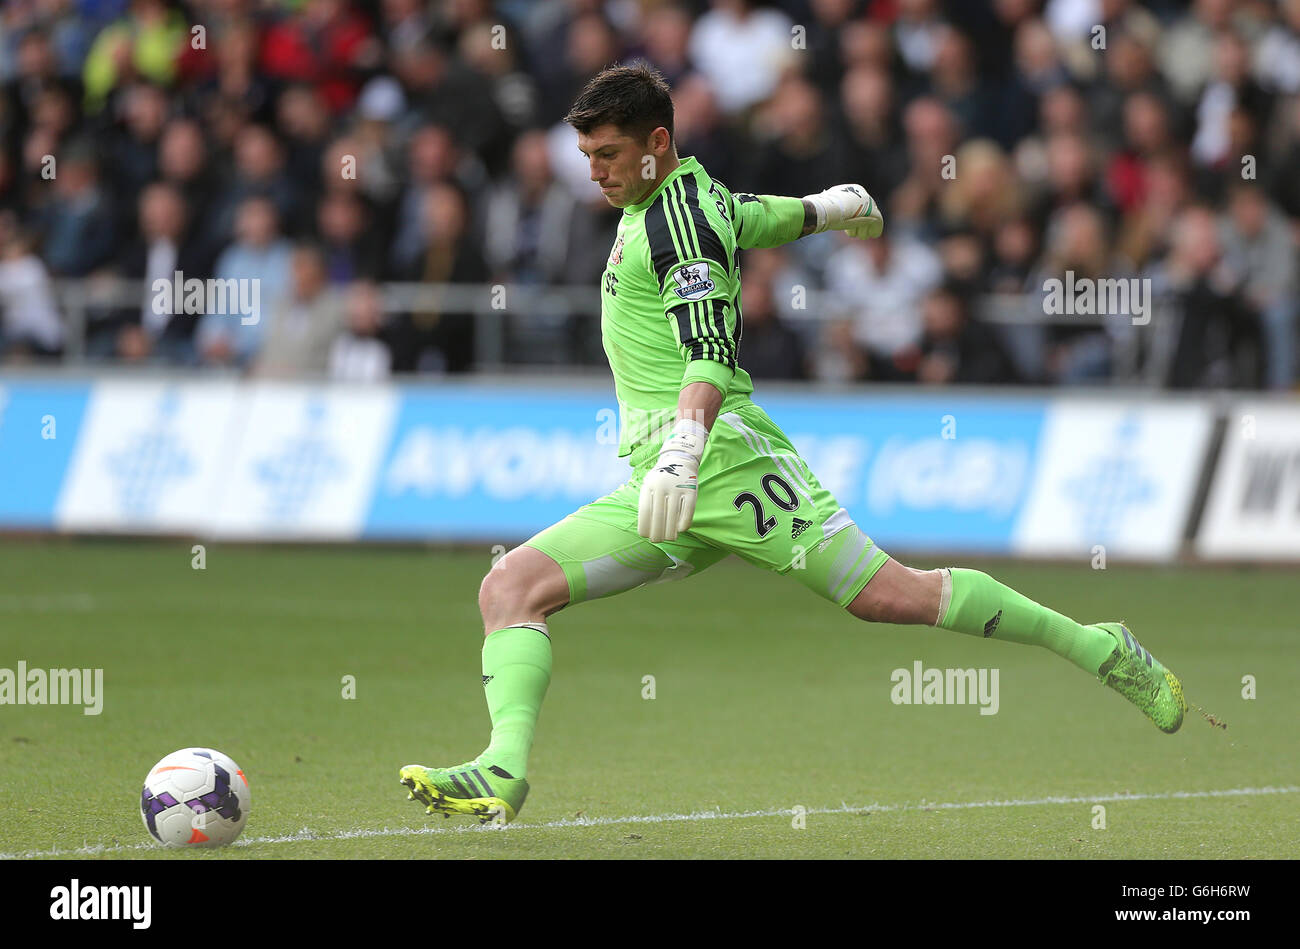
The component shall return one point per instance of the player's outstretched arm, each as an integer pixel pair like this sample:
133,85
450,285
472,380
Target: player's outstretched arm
845,208
766,220
670,488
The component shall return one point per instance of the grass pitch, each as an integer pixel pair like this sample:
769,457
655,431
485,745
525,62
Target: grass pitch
771,732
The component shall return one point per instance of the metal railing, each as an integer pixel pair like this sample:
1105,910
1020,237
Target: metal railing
512,320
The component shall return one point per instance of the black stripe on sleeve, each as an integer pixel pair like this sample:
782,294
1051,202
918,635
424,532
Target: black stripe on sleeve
694,344
707,242
659,235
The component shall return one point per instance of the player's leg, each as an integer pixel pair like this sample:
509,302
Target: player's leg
759,499
972,602
593,553
521,590
524,586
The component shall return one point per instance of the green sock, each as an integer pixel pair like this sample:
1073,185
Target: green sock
516,672
975,603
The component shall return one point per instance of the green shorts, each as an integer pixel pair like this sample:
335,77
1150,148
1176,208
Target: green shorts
758,500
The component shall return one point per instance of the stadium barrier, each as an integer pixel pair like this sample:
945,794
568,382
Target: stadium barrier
560,324
1040,474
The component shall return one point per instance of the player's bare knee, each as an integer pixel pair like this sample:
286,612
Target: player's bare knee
898,594
878,606
521,588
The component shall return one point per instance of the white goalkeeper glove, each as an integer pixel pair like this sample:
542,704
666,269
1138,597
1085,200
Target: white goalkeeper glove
847,208
669,489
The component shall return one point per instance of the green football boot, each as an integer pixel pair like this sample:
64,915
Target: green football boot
489,793
1138,676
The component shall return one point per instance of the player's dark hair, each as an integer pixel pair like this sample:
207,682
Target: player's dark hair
633,98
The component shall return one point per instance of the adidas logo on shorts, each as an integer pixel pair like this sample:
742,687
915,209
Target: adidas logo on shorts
798,527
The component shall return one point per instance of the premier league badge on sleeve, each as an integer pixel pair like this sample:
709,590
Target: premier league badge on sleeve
693,282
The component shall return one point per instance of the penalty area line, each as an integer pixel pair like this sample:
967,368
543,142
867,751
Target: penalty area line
306,834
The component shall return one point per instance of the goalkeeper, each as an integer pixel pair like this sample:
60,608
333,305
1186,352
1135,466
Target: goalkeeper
712,475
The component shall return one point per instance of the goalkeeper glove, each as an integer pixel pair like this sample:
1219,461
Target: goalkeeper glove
669,489
847,208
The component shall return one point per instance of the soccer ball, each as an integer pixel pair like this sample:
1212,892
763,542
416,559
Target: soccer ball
195,797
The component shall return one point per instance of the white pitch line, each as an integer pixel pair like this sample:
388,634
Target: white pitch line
306,834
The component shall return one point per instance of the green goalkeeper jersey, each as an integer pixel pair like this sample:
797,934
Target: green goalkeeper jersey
670,296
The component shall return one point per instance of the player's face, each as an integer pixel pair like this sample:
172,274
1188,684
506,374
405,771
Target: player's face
617,162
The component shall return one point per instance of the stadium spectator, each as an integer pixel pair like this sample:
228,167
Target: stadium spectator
742,50
379,111
169,240
436,339
324,43
258,172
1015,250
144,43
955,348
1282,181
303,122
432,157
1259,247
953,81
1077,252
1187,47
76,225
983,196
305,322
1071,179
879,285
529,218
36,73
769,348
347,238
978,127
590,43
403,23
231,82
698,128
259,258
1217,343
872,136
917,34
932,138
1231,87
1277,56
868,43
514,91
824,63
359,353
799,150
836,356
31,327
1146,228
133,155
183,162
1146,135
1037,72
1130,72
441,90
666,42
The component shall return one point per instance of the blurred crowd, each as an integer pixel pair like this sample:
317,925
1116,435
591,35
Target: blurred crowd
328,148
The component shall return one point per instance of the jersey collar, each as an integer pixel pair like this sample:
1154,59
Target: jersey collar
687,165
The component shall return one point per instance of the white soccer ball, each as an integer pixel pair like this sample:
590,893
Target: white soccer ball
195,797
